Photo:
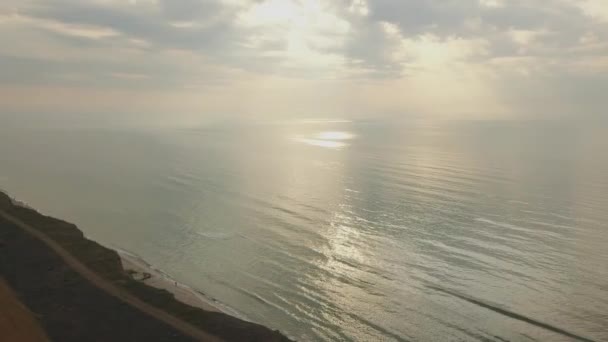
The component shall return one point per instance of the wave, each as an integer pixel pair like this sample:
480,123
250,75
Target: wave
16,202
512,314
503,225
157,272
217,235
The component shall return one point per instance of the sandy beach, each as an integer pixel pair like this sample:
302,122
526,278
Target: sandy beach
141,271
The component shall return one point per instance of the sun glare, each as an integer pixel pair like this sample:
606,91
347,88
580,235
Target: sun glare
328,139
304,26
335,136
276,12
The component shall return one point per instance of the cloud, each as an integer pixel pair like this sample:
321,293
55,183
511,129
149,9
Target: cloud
495,46
141,21
596,9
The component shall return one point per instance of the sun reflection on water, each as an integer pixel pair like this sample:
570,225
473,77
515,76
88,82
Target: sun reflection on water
327,139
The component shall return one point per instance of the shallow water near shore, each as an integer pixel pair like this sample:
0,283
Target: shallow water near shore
345,230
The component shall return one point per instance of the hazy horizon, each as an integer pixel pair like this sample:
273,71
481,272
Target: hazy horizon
212,60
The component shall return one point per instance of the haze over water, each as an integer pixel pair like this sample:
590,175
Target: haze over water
362,231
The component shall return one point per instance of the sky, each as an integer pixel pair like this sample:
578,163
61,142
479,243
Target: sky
285,59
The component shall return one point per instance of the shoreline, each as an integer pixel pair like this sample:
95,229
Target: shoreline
143,272
118,273
161,280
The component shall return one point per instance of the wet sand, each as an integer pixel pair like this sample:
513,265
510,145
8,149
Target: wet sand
138,271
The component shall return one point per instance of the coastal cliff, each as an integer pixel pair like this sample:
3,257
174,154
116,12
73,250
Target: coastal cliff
71,306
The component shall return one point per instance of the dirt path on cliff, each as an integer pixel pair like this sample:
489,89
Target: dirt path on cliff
108,287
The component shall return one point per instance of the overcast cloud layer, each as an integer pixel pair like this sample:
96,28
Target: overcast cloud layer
316,58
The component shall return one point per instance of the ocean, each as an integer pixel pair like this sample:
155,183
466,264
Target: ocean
345,231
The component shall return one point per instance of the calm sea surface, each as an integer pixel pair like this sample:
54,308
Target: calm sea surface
346,231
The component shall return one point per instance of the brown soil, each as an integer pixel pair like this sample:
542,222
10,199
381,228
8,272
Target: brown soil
17,323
